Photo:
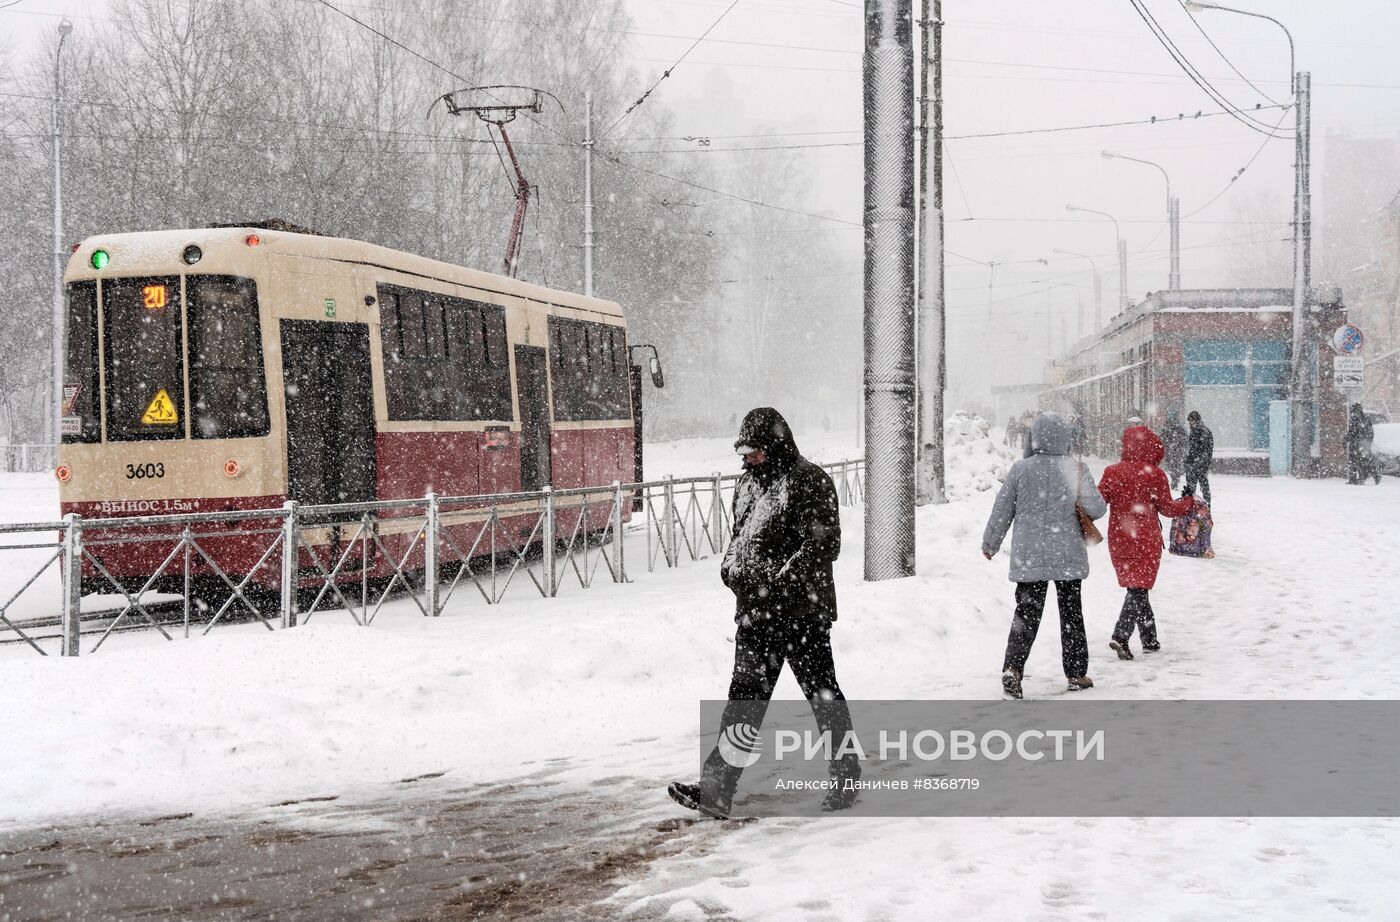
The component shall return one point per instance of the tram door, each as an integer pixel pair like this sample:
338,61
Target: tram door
532,384
330,412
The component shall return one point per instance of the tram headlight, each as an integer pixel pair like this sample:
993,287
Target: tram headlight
100,259
192,255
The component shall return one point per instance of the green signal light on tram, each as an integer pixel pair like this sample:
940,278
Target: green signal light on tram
100,259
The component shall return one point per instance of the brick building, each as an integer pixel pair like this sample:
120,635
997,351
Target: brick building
1224,353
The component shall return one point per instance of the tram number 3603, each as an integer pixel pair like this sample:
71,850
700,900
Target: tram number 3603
143,471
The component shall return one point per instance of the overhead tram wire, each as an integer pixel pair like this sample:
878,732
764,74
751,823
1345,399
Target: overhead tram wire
1191,71
667,72
430,62
423,136
1013,132
1238,173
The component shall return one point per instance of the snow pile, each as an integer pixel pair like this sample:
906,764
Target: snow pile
975,461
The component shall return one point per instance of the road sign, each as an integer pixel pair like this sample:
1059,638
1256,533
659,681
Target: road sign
1348,371
1348,339
70,397
72,425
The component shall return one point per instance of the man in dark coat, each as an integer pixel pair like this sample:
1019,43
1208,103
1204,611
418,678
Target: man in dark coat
1200,451
1359,437
786,535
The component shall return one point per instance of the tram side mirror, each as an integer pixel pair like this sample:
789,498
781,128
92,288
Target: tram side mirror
654,366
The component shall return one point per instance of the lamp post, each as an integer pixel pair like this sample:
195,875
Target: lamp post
1302,395
1173,217
1098,286
1195,6
1122,255
53,429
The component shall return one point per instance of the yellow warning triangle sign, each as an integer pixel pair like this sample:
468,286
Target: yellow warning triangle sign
161,412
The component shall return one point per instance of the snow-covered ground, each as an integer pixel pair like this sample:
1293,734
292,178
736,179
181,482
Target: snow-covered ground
1297,604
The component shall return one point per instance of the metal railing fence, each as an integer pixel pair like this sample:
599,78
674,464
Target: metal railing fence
174,574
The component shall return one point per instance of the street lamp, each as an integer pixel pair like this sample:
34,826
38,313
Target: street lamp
1122,255
53,431
1098,286
1173,217
1302,391
1194,6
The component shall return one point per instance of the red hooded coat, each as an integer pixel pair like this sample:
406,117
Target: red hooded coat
1137,492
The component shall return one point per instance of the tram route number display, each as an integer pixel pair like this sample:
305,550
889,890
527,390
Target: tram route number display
149,471
154,297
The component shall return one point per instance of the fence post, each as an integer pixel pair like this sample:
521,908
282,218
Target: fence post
430,555
717,529
72,582
290,538
668,510
619,571
547,542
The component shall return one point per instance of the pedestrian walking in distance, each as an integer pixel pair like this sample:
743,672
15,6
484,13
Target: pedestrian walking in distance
787,534
1360,436
1040,497
1200,451
1137,491
1174,442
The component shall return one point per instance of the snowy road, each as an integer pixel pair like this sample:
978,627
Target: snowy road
1295,606
527,850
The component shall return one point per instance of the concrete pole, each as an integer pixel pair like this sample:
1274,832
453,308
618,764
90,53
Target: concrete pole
1122,276
53,428
1098,301
1301,379
588,195
1174,215
931,327
889,289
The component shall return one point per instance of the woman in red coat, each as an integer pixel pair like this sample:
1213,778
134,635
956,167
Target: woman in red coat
1137,491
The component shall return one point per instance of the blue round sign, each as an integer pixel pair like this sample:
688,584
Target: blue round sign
1348,339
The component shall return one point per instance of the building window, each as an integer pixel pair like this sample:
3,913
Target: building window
1231,384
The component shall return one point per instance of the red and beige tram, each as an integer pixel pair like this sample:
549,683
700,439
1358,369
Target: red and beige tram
235,368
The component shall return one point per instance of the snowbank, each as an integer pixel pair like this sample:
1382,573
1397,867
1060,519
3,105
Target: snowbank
976,461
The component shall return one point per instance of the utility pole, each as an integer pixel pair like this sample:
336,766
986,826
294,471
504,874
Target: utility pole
1174,273
588,194
932,364
1301,383
889,289
53,428
1122,276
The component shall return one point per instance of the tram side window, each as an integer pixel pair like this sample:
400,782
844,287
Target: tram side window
228,392
444,357
589,383
80,364
143,350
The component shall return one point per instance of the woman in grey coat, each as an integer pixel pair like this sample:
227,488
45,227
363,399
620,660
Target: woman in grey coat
1047,544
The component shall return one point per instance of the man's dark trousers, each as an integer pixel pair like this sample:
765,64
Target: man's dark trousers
1199,476
761,646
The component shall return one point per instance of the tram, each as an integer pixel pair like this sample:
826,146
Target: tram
236,368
